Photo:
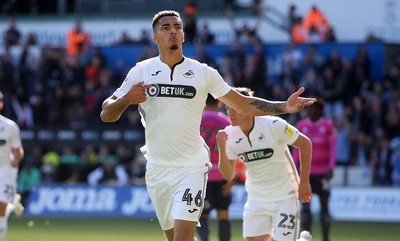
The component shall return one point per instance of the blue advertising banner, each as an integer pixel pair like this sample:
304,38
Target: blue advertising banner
347,204
89,201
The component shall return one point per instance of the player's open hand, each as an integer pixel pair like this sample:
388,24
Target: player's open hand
295,103
137,94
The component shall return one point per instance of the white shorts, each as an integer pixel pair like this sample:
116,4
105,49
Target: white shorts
177,192
8,186
279,219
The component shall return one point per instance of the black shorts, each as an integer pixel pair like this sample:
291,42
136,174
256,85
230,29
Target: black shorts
319,185
214,198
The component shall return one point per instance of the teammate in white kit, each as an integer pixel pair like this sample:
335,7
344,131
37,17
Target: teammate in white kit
11,153
272,182
171,91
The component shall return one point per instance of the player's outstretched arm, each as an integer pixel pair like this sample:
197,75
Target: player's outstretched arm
253,106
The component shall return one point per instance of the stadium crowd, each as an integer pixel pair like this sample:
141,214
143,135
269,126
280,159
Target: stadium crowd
65,87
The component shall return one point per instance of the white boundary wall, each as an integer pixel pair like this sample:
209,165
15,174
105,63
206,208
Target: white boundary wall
353,21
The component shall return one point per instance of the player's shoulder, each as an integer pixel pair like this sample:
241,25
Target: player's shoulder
231,128
327,121
8,122
269,119
196,63
147,62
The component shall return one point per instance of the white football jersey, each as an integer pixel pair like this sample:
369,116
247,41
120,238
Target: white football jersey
270,171
172,112
9,138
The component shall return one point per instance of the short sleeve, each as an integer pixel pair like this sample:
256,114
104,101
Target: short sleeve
217,85
15,136
130,80
284,132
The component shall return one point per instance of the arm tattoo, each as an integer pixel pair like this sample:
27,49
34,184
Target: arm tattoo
269,107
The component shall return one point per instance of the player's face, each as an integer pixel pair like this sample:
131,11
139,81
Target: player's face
235,118
169,33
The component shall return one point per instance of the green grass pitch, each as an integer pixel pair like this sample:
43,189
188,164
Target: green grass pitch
109,229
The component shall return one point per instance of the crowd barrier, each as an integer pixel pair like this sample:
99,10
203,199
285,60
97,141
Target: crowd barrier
62,200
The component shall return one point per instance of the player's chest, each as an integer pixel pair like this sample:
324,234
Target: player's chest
255,140
177,84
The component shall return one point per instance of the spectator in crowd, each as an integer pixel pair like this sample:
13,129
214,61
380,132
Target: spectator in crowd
330,36
144,38
236,55
149,51
291,19
93,69
321,132
245,33
334,62
299,35
70,165
205,36
383,167
395,160
124,155
78,41
50,162
137,168
23,110
89,159
190,28
7,81
125,39
110,171
256,69
218,195
333,89
190,8
343,134
362,70
12,36
315,20
28,178
202,56
27,65
9,7
12,153
313,36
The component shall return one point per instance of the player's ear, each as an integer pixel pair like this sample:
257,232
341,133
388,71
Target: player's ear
153,36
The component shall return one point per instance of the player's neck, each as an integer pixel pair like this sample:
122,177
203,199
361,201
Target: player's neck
247,126
171,57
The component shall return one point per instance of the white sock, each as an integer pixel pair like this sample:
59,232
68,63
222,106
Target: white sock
3,228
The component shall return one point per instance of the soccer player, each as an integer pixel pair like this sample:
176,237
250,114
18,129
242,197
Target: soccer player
171,91
322,133
272,182
218,195
11,153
